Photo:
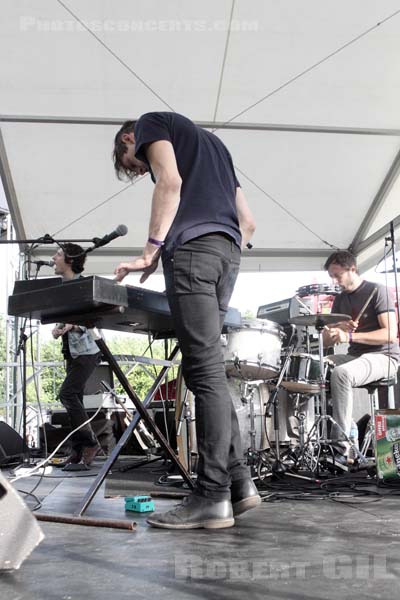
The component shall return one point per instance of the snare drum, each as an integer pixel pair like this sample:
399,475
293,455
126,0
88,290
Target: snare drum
253,352
304,373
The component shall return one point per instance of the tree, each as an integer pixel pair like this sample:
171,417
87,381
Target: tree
141,379
51,377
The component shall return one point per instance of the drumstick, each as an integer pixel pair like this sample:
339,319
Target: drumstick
368,300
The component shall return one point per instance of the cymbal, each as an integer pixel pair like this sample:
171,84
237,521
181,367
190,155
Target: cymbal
319,319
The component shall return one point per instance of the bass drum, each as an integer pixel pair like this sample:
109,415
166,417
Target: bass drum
246,398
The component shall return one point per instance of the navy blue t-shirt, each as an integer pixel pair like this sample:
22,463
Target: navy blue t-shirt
208,191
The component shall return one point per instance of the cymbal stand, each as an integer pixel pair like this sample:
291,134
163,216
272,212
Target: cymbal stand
278,467
247,388
304,458
321,424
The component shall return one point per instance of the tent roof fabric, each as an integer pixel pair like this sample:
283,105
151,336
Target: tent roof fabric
304,95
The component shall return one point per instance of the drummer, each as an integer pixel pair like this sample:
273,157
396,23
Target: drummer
373,351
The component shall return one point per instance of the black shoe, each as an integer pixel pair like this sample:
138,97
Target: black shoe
80,466
195,512
244,496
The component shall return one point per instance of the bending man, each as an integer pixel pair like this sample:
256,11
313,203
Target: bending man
199,222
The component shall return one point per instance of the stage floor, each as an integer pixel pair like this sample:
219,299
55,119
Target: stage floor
299,549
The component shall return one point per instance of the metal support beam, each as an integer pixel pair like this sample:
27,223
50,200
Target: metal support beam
9,190
290,127
254,252
376,205
378,235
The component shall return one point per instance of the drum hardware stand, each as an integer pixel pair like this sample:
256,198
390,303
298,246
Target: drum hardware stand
323,443
185,414
247,397
302,453
278,467
252,421
129,417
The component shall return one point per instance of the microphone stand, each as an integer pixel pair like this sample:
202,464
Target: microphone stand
48,239
392,240
21,350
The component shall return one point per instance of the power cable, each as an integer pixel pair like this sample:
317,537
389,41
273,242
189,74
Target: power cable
48,458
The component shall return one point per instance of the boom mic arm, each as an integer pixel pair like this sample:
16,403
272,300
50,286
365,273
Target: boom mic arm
106,239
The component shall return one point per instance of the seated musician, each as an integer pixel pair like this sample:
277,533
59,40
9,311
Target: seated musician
81,355
373,351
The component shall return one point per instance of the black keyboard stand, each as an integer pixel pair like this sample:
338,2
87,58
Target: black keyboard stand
141,413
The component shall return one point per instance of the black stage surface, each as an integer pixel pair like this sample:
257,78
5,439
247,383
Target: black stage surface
340,543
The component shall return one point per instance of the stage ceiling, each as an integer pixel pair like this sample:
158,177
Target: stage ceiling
306,96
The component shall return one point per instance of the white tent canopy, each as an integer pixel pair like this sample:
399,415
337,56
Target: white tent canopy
305,95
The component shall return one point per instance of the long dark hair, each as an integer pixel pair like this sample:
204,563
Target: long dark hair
119,150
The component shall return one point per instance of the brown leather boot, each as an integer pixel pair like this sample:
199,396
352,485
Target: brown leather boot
89,453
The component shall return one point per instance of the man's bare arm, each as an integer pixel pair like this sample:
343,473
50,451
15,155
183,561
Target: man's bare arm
246,221
386,333
165,203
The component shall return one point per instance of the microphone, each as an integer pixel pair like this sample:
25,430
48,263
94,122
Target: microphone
118,231
43,263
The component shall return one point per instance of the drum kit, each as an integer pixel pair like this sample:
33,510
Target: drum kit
295,393
279,388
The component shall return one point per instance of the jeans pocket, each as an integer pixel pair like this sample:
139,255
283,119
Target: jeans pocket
227,283
181,272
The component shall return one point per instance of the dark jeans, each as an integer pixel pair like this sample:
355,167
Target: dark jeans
71,396
200,279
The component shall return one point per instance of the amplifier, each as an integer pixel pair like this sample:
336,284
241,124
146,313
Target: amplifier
281,311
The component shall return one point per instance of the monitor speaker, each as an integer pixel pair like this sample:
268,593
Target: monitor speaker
19,531
11,444
101,372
